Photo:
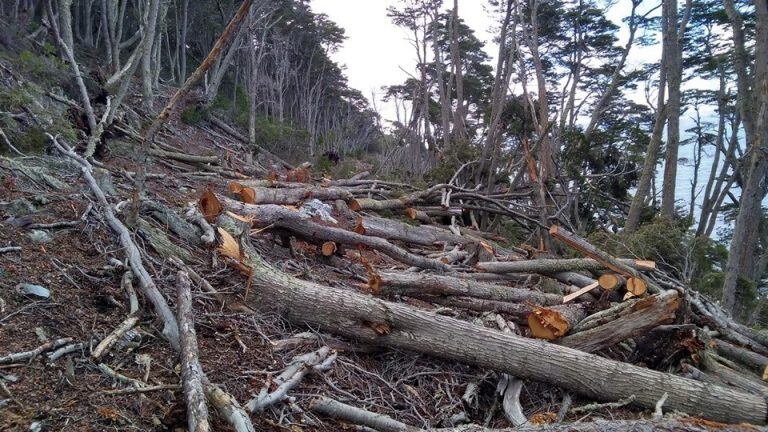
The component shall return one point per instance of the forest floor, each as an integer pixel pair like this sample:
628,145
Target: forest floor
80,265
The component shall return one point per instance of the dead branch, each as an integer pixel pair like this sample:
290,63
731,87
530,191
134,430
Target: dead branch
32,354
317,361
191,371
113,337
358,416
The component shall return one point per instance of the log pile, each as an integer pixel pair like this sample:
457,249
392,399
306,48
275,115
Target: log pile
417,275
566,309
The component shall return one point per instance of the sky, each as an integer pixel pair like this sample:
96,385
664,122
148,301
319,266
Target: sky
376,50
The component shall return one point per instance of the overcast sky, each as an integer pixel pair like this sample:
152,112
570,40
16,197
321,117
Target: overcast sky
376,50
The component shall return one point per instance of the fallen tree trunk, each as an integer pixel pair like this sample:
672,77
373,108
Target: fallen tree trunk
183,157
225,404
517,311
379,422
393,230
290,196
419,284
281,217
693,424
639,318
548,266
396,203
394,325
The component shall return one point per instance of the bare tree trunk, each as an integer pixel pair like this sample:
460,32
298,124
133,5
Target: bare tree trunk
183,43
674,77
741,257
150,28
459,118
445,107
649,166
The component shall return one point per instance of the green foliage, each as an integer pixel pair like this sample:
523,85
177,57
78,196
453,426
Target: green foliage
27,136
193,115
453,159
46,69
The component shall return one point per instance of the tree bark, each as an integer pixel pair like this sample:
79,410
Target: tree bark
741,256
420,284
636,320
394,325
674,77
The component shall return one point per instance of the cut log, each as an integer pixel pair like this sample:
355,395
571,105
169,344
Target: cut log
604,258
575,279
191,371
421,284
328,248
292,196
552,323
611,281
355,315
638,319
549,266
636,286
183,157
516,311
393,230
440,211
281,217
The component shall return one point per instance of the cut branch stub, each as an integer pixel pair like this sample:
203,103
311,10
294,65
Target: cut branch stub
328,248
552,323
